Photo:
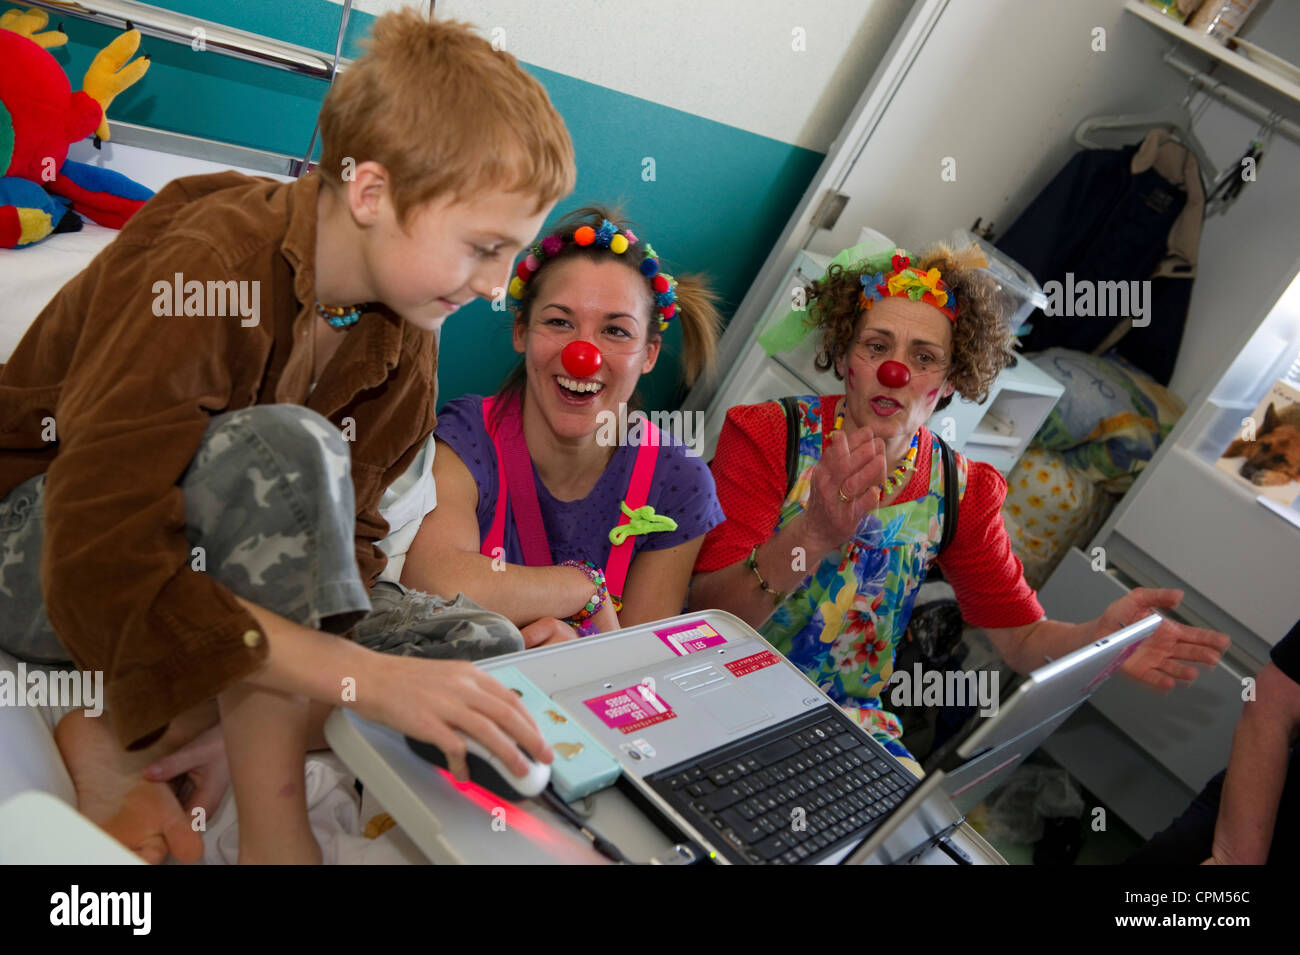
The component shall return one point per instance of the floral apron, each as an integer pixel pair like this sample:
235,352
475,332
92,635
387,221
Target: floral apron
843,627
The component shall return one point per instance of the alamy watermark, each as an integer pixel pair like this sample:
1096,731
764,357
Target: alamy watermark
617,429
1089,299
211,299
75,907
958,688
80,689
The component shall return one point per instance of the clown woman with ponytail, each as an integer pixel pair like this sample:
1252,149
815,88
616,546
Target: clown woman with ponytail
541,516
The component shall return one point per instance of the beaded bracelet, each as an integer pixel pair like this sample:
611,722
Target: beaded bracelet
581,619
778,596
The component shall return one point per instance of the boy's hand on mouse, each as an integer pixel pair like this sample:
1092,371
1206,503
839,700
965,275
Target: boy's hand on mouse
433,699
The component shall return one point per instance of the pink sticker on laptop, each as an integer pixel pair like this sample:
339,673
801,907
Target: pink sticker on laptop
631,709
690,637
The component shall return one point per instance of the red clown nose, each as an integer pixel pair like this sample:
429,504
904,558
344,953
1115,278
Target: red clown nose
893,374
581,359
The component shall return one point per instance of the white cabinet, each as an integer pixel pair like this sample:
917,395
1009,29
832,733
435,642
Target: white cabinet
999,430
755,377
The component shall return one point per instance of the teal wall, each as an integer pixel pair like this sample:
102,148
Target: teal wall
216,96
718,203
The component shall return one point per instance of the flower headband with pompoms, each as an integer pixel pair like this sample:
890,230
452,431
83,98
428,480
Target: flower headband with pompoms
907,282
608,237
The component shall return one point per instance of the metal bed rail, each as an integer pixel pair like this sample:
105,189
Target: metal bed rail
189,31
205,36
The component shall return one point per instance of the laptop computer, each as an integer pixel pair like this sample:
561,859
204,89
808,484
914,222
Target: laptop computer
977,762
981,757
731,745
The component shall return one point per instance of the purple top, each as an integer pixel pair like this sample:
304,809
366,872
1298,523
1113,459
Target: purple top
682,488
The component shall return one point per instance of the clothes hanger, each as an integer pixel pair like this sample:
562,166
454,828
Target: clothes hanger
1106,132
1228,187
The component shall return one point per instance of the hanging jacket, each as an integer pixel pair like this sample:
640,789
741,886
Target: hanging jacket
1116,215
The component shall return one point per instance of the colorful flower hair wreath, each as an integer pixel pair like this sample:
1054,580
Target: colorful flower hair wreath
907,282
606,237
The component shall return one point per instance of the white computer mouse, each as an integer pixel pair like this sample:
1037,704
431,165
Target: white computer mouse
488,771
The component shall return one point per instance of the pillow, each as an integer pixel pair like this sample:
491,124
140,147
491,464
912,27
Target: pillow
1111,418
1049,508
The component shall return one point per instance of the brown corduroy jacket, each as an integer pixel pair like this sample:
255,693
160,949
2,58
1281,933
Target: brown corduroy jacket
131,389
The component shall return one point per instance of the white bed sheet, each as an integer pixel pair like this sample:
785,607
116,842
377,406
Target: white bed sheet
29,277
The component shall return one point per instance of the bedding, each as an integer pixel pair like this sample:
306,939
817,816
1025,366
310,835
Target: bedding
1050,507
29,277
1111,418
1100,435
351,831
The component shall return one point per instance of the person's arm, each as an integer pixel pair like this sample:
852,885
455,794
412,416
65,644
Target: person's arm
784,561
1033,645
1257,771
657,582
427,699
988,580
444,557
1162,659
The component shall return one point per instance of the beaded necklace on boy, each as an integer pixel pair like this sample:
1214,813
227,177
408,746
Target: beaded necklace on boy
341,316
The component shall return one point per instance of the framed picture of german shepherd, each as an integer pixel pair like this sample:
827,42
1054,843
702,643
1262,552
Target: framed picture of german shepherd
1266,452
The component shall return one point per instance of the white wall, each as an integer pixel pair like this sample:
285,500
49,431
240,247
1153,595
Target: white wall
1244,254
732,61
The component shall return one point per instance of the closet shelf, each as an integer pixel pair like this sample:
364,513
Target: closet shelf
1237,61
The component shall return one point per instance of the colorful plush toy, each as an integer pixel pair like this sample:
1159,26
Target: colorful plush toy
41,190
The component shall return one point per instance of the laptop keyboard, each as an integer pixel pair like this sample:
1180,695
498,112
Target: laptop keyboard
790,795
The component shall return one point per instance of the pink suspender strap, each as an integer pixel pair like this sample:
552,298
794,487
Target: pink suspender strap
496,536
638,492
515,474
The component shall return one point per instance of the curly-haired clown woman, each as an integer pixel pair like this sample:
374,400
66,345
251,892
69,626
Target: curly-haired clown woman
827,567
540,516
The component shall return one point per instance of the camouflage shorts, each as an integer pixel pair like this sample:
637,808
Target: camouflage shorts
269,499
410,623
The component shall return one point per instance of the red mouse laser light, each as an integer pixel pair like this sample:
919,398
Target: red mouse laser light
581,359
892,374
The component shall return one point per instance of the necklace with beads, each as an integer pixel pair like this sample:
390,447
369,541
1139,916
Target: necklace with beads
341,316
895,480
